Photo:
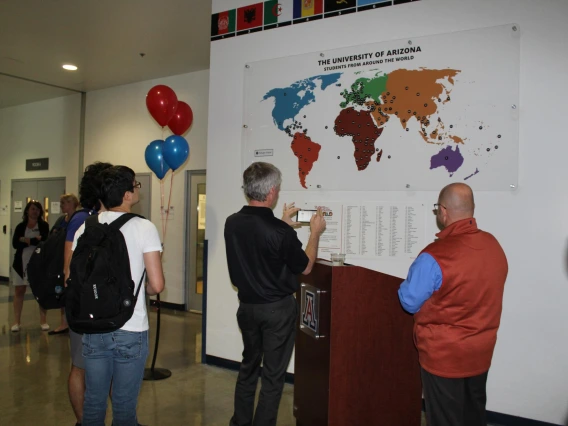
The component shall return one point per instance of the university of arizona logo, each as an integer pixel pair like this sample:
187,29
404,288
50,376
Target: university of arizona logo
223,23
309,315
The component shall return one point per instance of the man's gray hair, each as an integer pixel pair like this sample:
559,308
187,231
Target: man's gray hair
259,178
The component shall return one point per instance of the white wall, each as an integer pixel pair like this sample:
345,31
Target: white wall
37,130
118,129
530,366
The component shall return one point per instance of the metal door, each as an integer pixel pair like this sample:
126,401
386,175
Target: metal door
47,191
195,225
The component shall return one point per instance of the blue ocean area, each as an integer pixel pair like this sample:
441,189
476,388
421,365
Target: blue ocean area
289,101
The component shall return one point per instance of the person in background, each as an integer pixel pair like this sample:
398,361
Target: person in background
264,256
455,290
29,232
68,204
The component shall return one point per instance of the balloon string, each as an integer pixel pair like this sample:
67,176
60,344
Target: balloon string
169,201
162,208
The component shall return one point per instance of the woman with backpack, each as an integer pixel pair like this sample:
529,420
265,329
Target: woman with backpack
69,204
27,235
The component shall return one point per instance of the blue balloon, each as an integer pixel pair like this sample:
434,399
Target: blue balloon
155,159
176,151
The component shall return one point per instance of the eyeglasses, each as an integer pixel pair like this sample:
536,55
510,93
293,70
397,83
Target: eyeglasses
437,206
137,184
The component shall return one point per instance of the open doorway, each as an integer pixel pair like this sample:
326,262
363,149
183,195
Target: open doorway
195,201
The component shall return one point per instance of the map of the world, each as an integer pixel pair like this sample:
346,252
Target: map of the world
383,117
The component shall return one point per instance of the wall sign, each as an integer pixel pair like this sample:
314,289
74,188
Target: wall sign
37,164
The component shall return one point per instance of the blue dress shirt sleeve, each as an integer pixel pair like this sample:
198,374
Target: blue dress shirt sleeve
424,278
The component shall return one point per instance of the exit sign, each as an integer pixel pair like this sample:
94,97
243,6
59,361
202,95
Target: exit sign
37,164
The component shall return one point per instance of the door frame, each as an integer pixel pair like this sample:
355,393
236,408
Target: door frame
188,175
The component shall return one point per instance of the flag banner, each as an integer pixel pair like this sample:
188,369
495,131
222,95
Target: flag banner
338,5
223,23
249,17
278,13
307,8
363,5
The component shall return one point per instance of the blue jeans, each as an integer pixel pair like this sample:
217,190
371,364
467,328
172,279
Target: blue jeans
118,358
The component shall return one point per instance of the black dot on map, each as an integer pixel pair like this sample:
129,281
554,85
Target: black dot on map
480,127
377,149
309,149
451,126
496,146
448,98
439,100
326,127
418,94
425,105
423,129
338,157
446,157
499,136
406,88
439,120
407,129
439,138
301,156
404,120
388,93
304,116
389,157
284,93
414,113
409,111
396,113
488,149
390,108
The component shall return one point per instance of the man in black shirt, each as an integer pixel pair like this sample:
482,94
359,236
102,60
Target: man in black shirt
264,256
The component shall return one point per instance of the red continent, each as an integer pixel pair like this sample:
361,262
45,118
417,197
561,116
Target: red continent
307,153
360,126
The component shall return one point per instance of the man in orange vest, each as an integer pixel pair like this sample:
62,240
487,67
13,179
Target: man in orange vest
455,289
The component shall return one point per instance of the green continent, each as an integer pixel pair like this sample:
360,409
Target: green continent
363,89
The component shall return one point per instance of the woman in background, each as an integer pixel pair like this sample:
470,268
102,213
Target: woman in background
69,204
27,235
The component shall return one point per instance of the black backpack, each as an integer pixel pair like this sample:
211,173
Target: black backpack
100,292
45,270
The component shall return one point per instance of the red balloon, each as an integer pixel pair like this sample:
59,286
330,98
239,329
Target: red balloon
161,102
182,119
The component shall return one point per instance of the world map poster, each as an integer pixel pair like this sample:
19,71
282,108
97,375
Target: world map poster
412,114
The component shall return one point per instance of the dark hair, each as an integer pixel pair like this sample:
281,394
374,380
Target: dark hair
25,217
90,186
259,178
116,181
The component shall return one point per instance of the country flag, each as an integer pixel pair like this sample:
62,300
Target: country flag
223,23
338,5
278,11
307,8
249,16
366,2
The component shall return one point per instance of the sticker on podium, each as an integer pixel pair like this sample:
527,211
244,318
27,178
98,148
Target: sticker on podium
309,320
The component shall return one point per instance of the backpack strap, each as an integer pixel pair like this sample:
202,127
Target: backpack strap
118,223
140,284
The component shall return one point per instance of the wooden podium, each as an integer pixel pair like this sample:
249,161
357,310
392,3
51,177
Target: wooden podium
355,364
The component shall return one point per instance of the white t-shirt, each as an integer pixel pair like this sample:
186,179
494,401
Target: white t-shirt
141,237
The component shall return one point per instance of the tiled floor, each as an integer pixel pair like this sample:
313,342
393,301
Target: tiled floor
34,368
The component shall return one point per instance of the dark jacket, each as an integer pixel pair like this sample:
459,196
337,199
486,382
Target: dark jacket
20,232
